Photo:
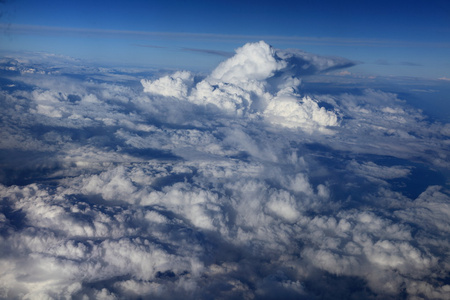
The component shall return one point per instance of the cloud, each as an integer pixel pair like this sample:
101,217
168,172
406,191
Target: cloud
378,173
175,85
303,63
254,61
383,62
285,110
234,185
209,51
410,64
149,46
258,79
343,73
298,40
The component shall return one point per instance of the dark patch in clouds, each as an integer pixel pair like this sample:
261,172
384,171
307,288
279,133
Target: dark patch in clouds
244,184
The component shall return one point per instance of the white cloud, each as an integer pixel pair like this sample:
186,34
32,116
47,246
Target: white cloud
430,210
237,186
229,98
175,85
254,61
377,173
289,111
257,80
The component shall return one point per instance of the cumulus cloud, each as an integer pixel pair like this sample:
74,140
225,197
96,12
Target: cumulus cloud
258,79
288,111
237,185
254,61
175,85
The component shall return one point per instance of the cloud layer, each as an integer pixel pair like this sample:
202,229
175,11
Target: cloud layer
236,185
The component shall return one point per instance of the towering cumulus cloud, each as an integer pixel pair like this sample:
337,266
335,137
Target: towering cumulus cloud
258,80
237,185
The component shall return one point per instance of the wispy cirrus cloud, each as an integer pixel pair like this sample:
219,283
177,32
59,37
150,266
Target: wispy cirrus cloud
209,51
237,38
384,62
149,46
410,64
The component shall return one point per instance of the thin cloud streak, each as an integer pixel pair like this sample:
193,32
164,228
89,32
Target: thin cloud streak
410,64
91,32
209,51
149,46
383,62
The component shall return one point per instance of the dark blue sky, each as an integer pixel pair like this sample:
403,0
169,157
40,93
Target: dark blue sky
386,37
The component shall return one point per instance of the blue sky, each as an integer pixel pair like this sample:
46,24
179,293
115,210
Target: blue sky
407,38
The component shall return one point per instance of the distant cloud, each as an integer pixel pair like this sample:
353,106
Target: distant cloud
149,46
424,90
208,51
444,78
411,64
343,73
382,62
175,85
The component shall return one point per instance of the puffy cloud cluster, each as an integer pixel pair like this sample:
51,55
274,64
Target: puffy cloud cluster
258,80
286,110
257,61
175,85
226,187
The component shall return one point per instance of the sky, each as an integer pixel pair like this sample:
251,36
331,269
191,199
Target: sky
401,38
